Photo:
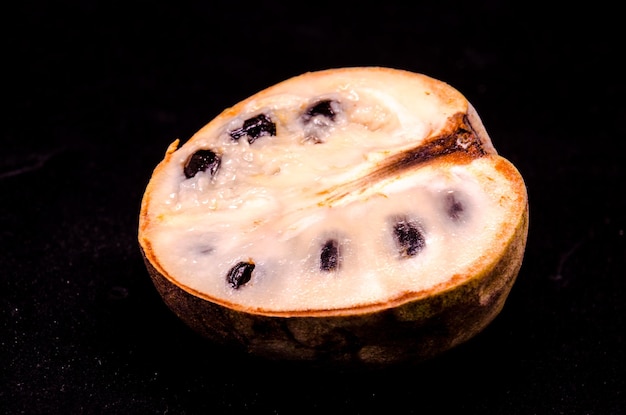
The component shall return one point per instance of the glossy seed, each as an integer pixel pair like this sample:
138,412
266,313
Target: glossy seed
202,160
324,108
317,119
409,238
329,256
454,208
240,274
254,128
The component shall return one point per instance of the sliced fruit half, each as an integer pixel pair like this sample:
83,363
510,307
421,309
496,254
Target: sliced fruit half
355,215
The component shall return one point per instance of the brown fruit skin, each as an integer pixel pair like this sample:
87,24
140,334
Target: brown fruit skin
410,332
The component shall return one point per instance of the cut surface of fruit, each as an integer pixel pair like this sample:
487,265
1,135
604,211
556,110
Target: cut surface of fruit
337,193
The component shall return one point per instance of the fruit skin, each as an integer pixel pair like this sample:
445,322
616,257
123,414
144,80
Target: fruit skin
410,332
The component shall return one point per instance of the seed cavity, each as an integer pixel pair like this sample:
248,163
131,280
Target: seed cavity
254,128
318,118
454,207
240,274
205,250
409,237
329,255
323,108
202,160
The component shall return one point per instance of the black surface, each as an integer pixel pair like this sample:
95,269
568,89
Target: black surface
93,94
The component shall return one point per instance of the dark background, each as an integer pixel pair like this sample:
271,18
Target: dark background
93,93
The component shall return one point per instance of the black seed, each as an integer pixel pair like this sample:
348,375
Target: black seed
329,257
202,160
454,208
317,119
323,108
240,274
254,128
409,238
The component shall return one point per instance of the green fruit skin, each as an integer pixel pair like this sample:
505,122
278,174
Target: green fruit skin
410,332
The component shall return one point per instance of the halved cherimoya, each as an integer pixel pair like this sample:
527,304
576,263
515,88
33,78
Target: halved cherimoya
354,215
